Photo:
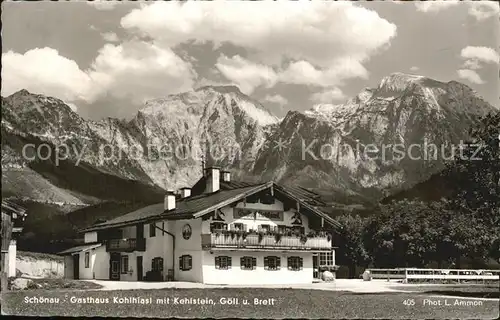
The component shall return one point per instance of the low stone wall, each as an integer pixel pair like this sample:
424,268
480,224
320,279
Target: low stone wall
39,265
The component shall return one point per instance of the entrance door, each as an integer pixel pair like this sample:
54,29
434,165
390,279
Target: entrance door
316,274
139,268
114,266
76,266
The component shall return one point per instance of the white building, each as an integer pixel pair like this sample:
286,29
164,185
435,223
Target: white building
218,232
12,217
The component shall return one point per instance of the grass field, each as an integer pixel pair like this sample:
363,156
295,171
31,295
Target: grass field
288,303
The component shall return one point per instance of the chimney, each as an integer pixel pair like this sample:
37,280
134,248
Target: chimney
169,203
226,176
185,192
212,175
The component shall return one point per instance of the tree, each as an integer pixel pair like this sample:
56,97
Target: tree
405,233
475,223
351,250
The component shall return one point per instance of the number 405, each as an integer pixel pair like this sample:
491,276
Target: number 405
409,302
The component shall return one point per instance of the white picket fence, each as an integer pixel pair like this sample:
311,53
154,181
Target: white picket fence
441,275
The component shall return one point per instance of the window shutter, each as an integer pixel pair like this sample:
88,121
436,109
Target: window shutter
229,262
278,263
160,262
217,262
266,263
254,263
181,267
301,263
190,262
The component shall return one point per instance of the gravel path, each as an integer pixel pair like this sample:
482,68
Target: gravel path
352,285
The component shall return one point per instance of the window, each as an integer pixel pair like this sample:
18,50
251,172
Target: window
152,230
185,262
281,228
218,226
248,263
326,259
298,230
239,227
264,228
295,263
157,264
223,262
124,264
272,263
87,259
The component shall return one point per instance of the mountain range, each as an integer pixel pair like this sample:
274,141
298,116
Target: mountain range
333,149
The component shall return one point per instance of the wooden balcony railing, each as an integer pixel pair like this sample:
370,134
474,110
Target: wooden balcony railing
126,245
265,241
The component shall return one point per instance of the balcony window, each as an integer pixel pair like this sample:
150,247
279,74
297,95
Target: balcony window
248,263
326,259
295,263
217,226
298,230
223,262
157,264
281,229
87,259
239,227
272,263
264,228
152,230
124,264
185,262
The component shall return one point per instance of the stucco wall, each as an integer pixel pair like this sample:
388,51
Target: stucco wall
90,237
98,266
35,265
12,258
192,247
235,275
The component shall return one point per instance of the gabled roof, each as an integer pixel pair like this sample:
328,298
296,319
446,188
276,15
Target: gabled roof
185,208
11,208
198,205
81,248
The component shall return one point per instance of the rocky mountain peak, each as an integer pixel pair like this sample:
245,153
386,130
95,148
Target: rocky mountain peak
221,89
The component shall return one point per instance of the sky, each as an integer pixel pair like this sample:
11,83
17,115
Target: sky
105,59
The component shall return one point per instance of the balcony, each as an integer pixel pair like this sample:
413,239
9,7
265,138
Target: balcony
265,241
125,245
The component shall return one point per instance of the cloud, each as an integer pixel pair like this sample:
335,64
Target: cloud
246,74
328,96
434,6
140,71
302,72
483,54
110,37
331,40
103,5
482,10
474,58
278,99
414,68
472,64
43,70
134,70
470,75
